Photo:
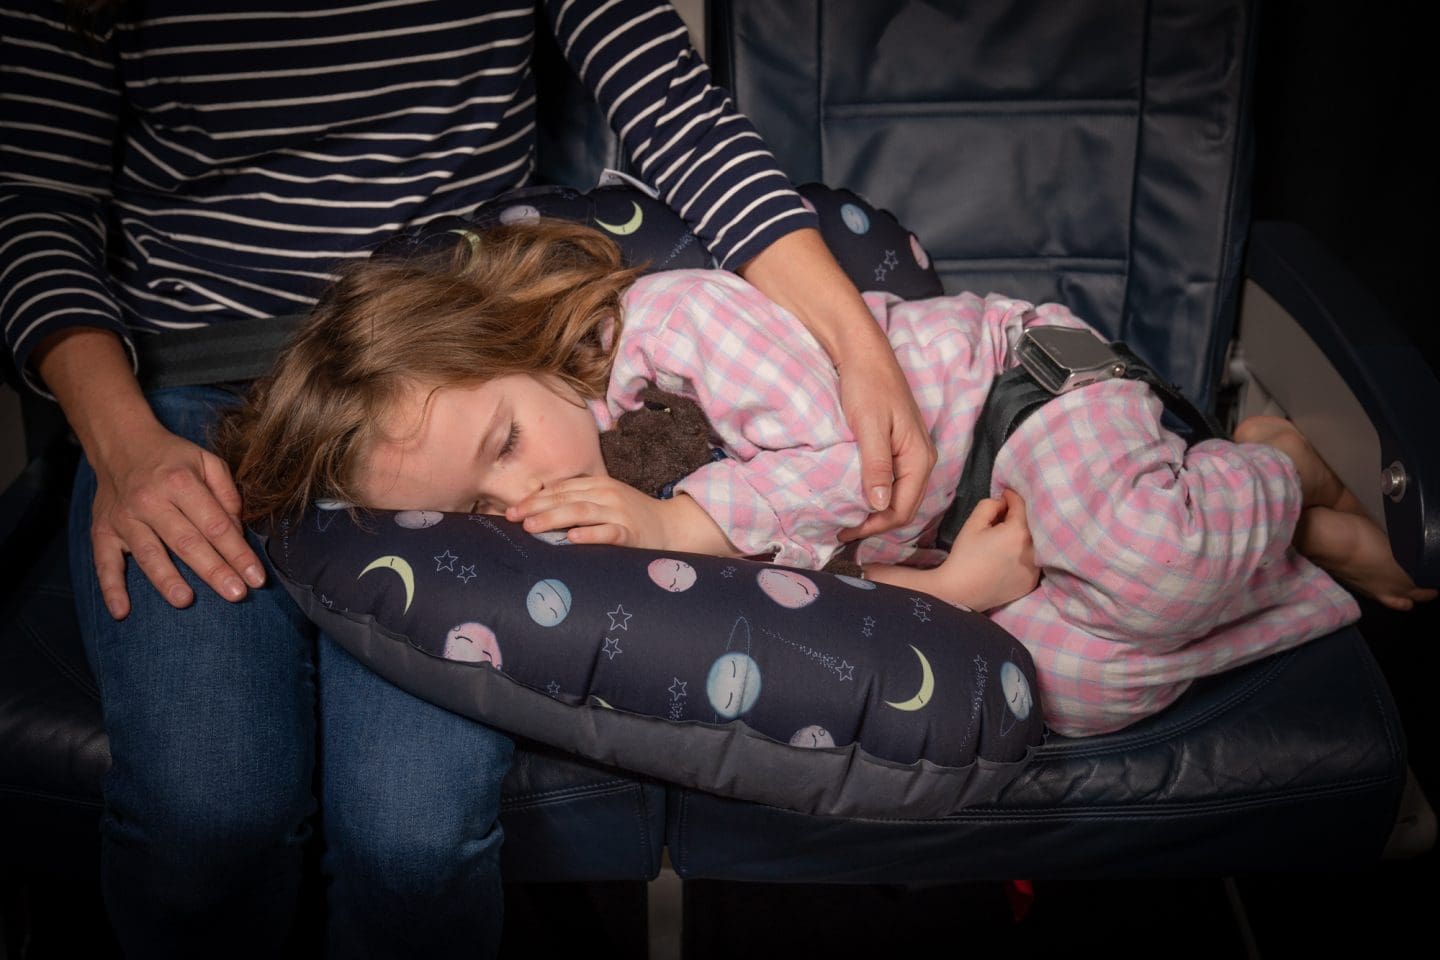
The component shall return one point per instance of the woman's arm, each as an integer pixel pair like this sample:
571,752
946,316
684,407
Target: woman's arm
59,112
153,489
59,119
681,132
711,167
799,273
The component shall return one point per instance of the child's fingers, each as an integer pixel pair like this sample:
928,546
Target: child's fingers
590,489
1014,505
539,502
611,533
570,513
984,515
531,505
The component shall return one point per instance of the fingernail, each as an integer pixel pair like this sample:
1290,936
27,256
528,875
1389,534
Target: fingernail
180,596
255,576
879,497
234,589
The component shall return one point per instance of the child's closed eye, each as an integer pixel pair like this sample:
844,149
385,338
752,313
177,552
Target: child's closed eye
507,448
511,439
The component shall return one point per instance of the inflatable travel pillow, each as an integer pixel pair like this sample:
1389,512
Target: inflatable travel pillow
869,243
819,693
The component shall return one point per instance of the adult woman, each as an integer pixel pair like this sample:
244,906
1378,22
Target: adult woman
171,169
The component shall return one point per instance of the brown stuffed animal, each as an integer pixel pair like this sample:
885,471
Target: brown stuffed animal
665,440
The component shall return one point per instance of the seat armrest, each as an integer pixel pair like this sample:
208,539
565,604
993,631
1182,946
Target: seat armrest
1293,282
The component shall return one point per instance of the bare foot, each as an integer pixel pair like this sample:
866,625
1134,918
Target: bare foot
1353,549
1319,486
1334,530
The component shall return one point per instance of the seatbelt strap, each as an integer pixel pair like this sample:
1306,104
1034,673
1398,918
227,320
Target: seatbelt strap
1014,396
229,352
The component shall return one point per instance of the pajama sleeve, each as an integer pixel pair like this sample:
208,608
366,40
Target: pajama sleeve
682,132
791,480
59,98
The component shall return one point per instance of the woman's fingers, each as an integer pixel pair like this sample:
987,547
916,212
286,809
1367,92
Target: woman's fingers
222,486
912,464
154,561
914,459
223,529
873,434
896,453
179,499
896,457
192,531
110,571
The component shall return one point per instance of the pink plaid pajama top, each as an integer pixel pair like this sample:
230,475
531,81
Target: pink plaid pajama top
1161,563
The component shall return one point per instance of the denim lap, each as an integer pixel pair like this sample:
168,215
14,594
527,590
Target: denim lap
411,795
211,715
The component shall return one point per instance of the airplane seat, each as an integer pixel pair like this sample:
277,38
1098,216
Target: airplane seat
1099,155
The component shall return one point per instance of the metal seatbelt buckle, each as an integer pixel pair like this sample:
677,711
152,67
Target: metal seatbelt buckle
1062,359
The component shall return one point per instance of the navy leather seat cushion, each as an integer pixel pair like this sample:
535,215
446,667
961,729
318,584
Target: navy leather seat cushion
1292,763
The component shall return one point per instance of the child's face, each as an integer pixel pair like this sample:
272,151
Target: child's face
480,448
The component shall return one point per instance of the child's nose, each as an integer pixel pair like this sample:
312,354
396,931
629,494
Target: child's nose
518,489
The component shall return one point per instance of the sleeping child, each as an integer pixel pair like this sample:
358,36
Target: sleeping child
1127,563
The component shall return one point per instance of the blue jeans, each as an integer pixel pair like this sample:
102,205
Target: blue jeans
225,721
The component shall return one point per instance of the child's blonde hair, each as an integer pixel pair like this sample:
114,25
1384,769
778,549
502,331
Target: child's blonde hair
533,298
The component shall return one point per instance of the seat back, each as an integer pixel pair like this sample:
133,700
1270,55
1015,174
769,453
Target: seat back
573,143
1027,160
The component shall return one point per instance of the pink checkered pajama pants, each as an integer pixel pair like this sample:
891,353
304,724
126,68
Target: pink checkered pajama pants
1161,563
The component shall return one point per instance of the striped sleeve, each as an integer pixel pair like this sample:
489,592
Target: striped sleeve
58,118
682,133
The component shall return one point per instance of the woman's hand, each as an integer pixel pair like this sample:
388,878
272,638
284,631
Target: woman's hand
153,489
158,491
882,414
604,510
896,454
992,561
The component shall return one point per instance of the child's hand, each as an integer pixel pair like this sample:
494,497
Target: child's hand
595,510
993,559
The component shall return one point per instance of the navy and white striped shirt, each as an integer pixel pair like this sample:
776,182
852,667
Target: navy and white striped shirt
184,168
